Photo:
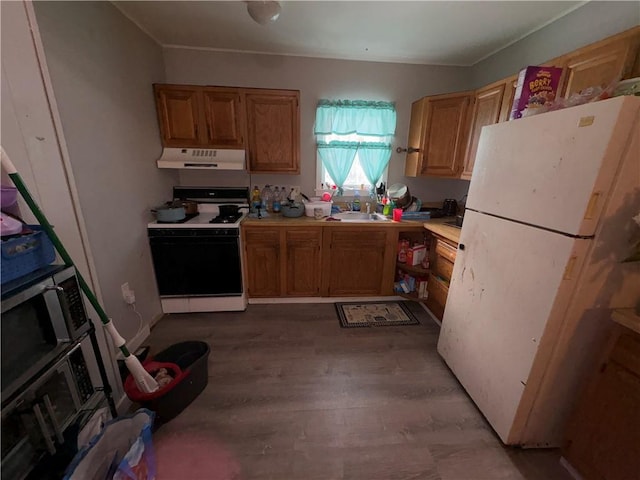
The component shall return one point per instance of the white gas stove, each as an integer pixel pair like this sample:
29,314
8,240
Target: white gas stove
198,261
210,200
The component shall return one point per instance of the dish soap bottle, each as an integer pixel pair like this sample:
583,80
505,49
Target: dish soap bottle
356,201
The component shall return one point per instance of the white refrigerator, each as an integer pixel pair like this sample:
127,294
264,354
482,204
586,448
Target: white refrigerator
548,220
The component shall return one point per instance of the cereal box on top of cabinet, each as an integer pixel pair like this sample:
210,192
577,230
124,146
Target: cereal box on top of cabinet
536,87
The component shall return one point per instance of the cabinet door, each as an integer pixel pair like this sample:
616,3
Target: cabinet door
444,134
486,111
596,67
179,112
303,262
262,262
356,262
510,85
273,131
604,432
414,156
224,118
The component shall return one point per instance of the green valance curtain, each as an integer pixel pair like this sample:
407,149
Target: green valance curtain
344,117
359,117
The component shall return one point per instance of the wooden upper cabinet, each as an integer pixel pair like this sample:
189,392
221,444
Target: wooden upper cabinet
414,154
486,111
591,67
224,117
445,128
510,85
273,131
179,115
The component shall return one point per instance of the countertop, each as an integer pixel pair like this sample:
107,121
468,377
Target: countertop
278,220
435,225
438,227
627,318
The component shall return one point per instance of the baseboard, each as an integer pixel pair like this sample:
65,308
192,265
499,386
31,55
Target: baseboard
156,319
264,301
430,313
569,468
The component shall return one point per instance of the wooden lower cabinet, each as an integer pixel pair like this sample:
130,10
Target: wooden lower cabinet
359,262
303,262
262,262
604,432
282,261
442,261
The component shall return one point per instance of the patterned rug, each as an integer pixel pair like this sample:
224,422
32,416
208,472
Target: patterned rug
374,314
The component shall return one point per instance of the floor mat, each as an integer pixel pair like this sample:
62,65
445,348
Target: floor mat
373,314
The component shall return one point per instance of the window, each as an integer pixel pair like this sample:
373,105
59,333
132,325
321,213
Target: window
354,142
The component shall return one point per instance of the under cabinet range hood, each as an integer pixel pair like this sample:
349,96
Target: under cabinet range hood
202,158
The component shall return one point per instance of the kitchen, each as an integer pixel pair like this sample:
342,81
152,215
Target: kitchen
100,38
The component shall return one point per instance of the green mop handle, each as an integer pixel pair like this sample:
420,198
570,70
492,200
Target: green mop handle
44,223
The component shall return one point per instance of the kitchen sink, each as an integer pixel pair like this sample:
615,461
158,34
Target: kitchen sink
360,217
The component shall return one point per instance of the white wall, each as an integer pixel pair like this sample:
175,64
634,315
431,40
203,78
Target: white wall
32,140
587,24
316,79
102,68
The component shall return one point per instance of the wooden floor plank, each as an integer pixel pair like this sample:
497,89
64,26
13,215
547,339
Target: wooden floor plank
292,395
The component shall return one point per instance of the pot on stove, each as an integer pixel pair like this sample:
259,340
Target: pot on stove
190,207
172,212
229,210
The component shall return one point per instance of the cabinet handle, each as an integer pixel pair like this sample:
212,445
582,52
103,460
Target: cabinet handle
44,430
52,416
408,150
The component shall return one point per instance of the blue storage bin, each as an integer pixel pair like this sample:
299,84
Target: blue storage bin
25,254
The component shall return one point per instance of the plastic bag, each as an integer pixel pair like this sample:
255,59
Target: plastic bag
123,450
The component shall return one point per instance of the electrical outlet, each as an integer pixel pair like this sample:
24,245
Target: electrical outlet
130,298
295,191
128,295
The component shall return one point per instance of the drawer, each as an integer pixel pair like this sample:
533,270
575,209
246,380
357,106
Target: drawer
443,267
437,298
262,236
446,250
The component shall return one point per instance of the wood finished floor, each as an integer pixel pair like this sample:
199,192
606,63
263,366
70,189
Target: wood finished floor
291,395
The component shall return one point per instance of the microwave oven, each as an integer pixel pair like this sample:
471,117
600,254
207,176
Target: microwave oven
44,418
43,314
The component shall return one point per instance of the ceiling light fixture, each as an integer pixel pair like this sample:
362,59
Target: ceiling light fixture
264,12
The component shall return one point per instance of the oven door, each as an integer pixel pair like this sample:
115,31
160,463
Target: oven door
197,262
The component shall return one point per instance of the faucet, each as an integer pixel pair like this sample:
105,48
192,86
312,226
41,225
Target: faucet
368,207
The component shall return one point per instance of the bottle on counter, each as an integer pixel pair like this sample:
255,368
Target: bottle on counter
356,201
256,201
267,198
276,201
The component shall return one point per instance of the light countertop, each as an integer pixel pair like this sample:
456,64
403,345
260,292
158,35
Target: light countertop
438,227
627,318
278,220
435,225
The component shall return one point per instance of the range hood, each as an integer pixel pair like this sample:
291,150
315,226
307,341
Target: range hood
202,158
